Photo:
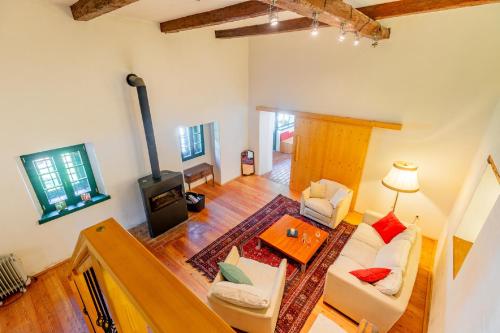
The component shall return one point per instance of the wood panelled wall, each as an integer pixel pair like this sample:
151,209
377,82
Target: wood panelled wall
330,150
330,147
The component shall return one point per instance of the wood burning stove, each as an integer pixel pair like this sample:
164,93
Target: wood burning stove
162,191
163,201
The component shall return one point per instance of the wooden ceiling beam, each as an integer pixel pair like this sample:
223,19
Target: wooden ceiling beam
240,11
410,7
296,24
377,12
85,10
335,13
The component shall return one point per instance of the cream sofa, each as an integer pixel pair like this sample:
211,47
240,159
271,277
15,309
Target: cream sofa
321,210
358,299
262,276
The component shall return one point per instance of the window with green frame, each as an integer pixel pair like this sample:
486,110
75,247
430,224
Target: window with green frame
192,142
62,174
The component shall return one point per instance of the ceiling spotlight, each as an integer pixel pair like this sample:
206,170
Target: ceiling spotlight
315,25
273,14
376,38
342,35
357,39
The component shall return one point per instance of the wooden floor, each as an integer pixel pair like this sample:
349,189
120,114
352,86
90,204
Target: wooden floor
49,305
281,168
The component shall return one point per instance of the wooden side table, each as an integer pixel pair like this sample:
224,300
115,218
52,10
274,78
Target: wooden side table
197,172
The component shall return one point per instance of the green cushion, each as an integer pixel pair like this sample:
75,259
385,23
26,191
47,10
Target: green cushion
233,274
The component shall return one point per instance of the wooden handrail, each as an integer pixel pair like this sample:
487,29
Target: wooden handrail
132,275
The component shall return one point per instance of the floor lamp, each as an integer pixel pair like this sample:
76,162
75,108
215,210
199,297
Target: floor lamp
401,178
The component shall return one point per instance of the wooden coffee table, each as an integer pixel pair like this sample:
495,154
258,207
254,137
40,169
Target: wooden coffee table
294,248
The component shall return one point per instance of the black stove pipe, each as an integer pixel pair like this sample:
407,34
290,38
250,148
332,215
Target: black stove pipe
135,81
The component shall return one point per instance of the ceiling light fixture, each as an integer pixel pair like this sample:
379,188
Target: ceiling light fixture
376,38
357,39
342,35
315,25
273,14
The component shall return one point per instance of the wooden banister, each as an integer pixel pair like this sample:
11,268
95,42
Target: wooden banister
142,293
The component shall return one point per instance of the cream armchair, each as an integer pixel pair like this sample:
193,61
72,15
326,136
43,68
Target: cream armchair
321,210
262,276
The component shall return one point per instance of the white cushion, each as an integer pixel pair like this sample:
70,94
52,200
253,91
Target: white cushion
261,275
410,234
321,206
317,190
331,187
393,255
367,234
343,265
391,284
338,196
242,295
360,252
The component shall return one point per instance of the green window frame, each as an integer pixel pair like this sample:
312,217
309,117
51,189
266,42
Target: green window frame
192,142
62,174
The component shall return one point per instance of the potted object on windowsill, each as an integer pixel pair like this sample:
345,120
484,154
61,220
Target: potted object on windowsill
195,201
86,197
61,205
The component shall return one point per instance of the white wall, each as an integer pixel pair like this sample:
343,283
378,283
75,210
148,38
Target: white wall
482,202
264,160
467,304
438,75
63,83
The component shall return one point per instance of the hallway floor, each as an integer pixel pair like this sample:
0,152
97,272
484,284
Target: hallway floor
281,168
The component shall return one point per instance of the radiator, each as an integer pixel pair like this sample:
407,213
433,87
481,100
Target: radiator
13,279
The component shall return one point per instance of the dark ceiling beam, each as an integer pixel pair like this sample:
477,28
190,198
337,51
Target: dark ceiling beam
296,24
410,7
377,12
240,11
335,13
85,10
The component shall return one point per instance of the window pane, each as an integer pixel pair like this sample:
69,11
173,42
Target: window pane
197,148
191,140
185,142
50,180
76,172
55,195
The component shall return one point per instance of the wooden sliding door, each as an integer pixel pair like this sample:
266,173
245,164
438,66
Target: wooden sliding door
327,149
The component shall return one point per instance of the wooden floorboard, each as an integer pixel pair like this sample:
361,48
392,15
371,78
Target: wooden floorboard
49,305
281,168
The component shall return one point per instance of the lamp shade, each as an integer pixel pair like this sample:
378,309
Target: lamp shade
402,178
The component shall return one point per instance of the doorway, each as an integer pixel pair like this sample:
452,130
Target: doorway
282,148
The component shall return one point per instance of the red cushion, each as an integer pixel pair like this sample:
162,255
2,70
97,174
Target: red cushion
284,136
389,227
371,275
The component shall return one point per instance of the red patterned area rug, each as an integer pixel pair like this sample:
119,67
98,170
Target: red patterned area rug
302,291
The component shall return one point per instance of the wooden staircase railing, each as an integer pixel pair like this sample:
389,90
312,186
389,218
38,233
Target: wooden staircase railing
140,294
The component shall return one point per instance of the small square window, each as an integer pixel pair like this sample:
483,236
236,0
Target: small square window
62,175
192,142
